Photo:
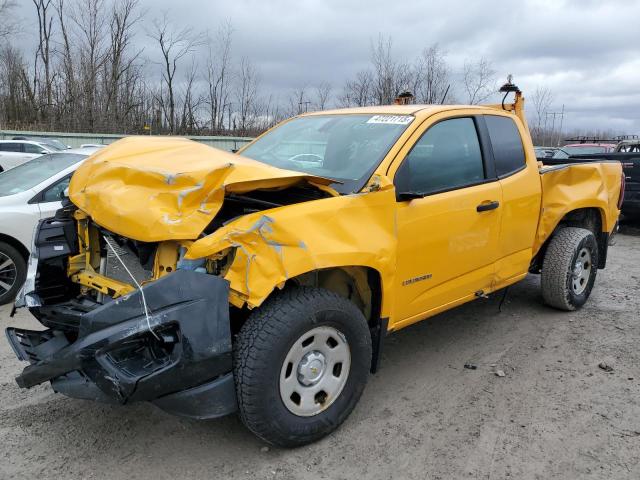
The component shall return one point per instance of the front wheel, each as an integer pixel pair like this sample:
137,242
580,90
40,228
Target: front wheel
13,271
569,268
301,362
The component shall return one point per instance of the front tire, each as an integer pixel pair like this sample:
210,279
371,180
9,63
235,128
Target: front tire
569,268
13,271
301,362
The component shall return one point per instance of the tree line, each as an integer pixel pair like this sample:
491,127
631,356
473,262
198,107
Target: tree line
88,72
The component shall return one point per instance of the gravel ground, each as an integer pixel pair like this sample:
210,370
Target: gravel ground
555,414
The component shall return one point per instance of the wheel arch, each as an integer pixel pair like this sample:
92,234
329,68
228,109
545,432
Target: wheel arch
359,284
15,243
362,285
590,218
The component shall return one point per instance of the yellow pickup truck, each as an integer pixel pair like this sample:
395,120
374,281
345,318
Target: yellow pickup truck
267,280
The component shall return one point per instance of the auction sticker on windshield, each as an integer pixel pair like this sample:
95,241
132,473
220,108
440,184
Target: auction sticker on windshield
391,119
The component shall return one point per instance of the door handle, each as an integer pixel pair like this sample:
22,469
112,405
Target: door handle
484,207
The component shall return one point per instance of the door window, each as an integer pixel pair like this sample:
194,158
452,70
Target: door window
55,191
31,148
10,147
446,157
508,153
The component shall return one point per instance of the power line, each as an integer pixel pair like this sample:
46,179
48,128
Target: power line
553,125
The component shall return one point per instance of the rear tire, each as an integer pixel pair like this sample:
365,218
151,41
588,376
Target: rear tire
291,388
13,271
569,268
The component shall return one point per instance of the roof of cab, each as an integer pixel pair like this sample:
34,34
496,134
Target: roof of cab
416,110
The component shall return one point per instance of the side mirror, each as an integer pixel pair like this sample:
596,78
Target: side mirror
402,182
43,152
65,193
403,196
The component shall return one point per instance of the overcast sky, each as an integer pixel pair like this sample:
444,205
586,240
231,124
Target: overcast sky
586,51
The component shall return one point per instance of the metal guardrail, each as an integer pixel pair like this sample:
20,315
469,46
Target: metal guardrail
77,139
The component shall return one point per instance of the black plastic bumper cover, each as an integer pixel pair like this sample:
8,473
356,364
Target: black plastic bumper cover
182,364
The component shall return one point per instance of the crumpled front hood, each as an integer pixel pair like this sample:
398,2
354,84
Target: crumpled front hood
154,189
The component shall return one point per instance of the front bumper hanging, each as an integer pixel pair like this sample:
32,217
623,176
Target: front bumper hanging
178,358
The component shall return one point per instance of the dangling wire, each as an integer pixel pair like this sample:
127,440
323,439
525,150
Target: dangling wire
144,300
504,296
503,99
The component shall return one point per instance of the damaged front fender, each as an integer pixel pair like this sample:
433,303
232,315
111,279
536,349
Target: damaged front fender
282,243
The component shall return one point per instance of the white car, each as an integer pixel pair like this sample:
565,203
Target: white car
28,193
47,141
92,145
16,152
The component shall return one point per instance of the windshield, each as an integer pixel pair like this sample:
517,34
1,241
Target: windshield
565,152
346,148
55,144
29,174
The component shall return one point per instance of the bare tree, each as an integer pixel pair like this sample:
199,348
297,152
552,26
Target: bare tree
86,73
43,53
298,102
175,45
92,52
271,114
384,71
218,75
8,23
426,77
479,80
190,103
19,102
358,92
67,105
541,100
432,75
323,92
118,67
246,96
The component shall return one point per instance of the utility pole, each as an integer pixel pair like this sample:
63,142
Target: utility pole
544,130
561,119
553,125
306,106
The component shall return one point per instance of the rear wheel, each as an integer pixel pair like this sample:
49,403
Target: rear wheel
13,270
569,268
301,362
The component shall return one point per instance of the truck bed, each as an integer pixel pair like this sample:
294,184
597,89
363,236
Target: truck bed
565,187
630,166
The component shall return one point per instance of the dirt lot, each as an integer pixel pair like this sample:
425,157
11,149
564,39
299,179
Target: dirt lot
555,414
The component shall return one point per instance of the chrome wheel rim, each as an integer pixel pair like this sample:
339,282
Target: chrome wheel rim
315,371
581,271
8,274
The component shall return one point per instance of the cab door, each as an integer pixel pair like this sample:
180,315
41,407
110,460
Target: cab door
521,195
448,219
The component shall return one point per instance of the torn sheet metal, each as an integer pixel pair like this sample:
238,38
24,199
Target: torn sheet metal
585,185
282,243
153,189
